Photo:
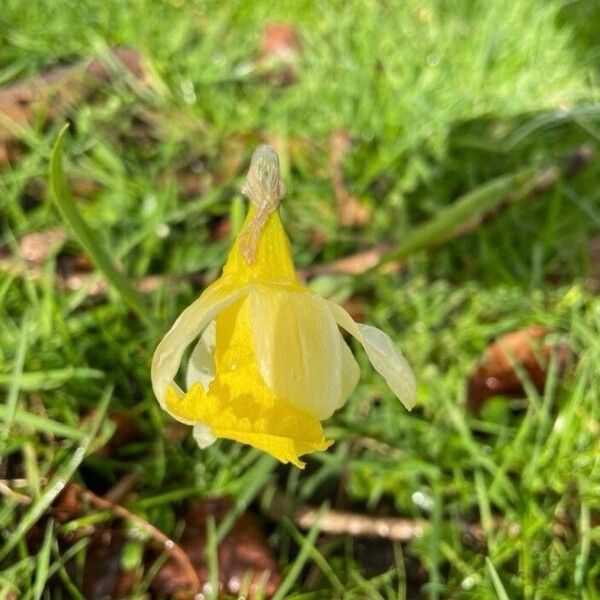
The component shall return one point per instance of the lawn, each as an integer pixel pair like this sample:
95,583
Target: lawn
442,184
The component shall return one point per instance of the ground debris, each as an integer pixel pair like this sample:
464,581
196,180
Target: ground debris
103,574
247,565
280,48
38,246
497,371
354,264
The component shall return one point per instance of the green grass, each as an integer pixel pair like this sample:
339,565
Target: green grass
443,100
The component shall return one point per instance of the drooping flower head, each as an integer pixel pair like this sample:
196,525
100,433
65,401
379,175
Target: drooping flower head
269,361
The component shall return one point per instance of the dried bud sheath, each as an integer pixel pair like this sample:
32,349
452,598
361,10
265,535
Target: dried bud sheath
265,189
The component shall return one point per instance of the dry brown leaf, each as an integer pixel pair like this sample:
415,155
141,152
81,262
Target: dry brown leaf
496,374
355,264
280,41
279,50
244,554
68,504
103,575
38,246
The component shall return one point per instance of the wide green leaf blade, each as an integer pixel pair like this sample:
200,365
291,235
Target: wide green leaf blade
86,236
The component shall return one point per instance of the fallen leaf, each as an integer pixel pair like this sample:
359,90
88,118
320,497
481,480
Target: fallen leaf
279,50
73,264
354,264
280,41
318,239
496,374
38,246
68,504
578,159
244,556
103,574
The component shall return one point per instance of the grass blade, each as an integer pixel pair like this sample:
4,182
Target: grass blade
306,548
40,424
212,558
71,215
15,380
470,206
46,380
256,478
496,581
59,480
43,563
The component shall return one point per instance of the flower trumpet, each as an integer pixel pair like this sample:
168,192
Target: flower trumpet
269,361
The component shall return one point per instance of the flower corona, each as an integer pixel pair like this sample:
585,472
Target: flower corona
269,361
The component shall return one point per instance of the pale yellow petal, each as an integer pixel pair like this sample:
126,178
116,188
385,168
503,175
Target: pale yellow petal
386,359
203,436
350,373
201,366
190,323
297,347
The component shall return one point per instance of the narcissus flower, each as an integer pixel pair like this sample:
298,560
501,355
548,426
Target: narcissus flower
269,361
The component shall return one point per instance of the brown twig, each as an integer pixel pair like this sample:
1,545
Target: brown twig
336,522
100,503
168,544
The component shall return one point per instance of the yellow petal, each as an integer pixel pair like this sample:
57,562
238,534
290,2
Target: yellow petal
273,262
238,405
298,347
252,418
386,359
192,321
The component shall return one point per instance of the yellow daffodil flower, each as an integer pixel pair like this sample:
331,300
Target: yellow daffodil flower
270,362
